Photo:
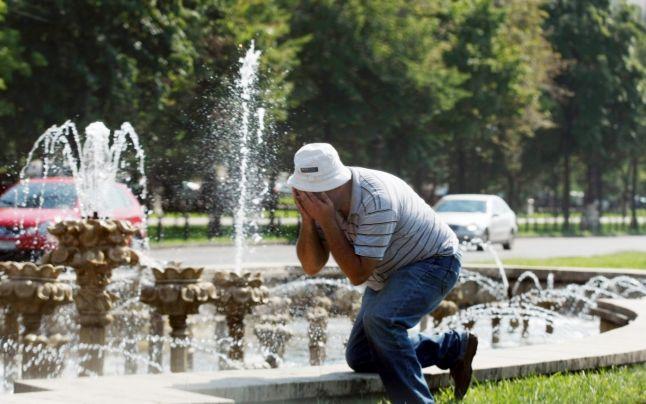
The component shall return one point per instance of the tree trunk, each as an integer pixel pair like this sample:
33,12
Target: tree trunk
625,191
461,167
565,202
634,224
592,198
554,204
598,180
512,196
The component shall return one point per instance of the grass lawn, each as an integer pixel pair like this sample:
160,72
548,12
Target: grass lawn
548,230
613,385
174,235
631,259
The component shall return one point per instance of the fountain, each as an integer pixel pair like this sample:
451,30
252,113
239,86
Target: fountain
93,247
248,126
94,164
177,293
238,295
446,308
521,286
272,330
318,316
303,321
32,291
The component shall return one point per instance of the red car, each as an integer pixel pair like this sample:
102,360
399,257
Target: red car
27,209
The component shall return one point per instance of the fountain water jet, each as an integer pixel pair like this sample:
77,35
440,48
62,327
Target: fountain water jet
93,163
249,118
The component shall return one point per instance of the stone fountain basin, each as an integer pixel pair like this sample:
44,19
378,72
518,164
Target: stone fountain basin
619,346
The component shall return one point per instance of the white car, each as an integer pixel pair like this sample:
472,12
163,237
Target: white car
479,217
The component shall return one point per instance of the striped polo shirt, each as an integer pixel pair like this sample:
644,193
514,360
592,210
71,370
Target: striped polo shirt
388,221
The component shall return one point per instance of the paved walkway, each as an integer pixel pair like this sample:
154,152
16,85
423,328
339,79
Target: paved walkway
539,247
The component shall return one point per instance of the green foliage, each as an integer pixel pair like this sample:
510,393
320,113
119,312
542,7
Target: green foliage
11,59
480,95
597,115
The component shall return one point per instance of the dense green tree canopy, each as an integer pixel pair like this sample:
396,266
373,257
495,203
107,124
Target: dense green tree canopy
516,97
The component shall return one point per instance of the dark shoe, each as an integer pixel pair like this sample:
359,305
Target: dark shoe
462,370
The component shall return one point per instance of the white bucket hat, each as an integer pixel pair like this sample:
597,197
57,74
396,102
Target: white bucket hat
318,168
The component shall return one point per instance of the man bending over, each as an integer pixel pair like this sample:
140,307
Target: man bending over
380,232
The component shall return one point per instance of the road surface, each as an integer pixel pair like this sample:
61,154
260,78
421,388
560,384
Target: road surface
539,247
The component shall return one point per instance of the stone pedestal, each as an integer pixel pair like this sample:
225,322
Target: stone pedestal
31,291
180,336
40,358
93,247
273,334
92,334
238,295
156,345
446,308
272,330
318,317
10,334
178,292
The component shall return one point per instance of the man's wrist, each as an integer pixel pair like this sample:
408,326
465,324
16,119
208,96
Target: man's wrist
308,222
328,223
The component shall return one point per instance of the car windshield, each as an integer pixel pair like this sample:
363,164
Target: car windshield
462,206
46,195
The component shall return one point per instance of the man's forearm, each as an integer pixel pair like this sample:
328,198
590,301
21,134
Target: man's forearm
309,249
343,253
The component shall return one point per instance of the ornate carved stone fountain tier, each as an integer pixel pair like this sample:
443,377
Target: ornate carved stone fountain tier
93,247
238,295
31,291
177,293
272,330
318,316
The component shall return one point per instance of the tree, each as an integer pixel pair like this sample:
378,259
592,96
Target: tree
93,60
13,61
595,41
370,81
500,49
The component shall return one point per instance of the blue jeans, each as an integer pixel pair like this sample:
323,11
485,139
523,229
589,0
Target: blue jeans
379,341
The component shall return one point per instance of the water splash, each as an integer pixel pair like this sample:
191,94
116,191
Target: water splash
536,283
94,162
487,246
251,186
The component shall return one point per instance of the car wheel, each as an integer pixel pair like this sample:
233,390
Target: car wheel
507,245
485,239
